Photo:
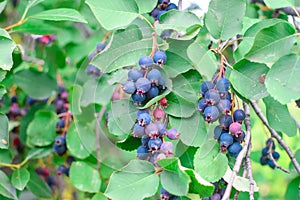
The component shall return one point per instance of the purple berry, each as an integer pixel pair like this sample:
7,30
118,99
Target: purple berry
138,131
211,114
100,46
235,129
224,106
154,76
167,148
159,114
134,74
173,134
144,119
152,130
202,105
129,87
225,121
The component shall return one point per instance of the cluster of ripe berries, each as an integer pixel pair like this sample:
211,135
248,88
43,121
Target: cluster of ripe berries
147,82
152,132
162,7
62,109
267,152
216,105
92,70
165,195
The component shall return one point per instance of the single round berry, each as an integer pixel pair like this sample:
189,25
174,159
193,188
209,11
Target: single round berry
239,115
159,114
142,85
138,99
235,129
211,114
205,86
164,194
167,148
160,57
59,146
218,131
100,46
173,134
154,144
234,149
143,153
263,160
240,138
144,119
212,97
223,85
225,121
202,105
160,13
275,155
62,169
138,131
271,164
154,13
142,111
134,74
265,151
145,139
129,87
61,123
154,76
153,92
152,130
145,62
163,102
225,141
172,6
270,142
224,106
161,128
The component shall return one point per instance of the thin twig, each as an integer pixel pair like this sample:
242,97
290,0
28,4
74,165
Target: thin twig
97,134
276,135
236,195
239,159
274,161
179,4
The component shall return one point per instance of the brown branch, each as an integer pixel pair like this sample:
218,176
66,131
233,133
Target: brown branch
179,4
97,135
275,135
239,159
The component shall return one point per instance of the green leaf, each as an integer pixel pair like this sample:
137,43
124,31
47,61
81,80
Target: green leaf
279,117
38,153
146,6
181,22
240,183
75,94
186,154
5,156
60,14
38,186
35,26
224,18
99,196
80,140
192,130
44,89
279,4
2,91
209,163
135,181
2,5
179,107
121,117
203,59
20,178
97,91
84,177
282,81
156,99
248,79
32,3
272,42
6,48
6,189
125,50
4,134
198,185
172,178
130,143
114,14
42,129
292,189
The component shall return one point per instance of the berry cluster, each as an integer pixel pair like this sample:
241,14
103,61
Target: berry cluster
147,82
267,152
165,195
152,132
44,174
215,104
92,70
162,7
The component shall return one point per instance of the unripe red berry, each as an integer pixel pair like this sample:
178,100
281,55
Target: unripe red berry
163,102
158,114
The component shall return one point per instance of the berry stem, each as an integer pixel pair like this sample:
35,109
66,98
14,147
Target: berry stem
249,167
154,45
275,135
274,161
106,36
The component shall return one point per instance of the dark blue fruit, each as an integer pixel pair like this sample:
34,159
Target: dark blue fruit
154,76
240,138
224,106
138,99
223,85
265,151
145,62
61,123
225,121
142,111
154,13
145,139
100,46
154,144
62,169
212,97
59,146
160,13
275,155
172,6
144,119
218,131
143,153
202,105
93,71
160,57
129,87
235,149
142,85
271,164
153,92
225,141
211,114
263,160
205,86
239,115
134,74
138,131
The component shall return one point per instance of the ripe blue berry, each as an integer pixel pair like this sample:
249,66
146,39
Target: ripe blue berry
218,131
154,76
202,105
223,85
62,169
134,74
153,92
61,123
205,86
154,13
93,71
275,155
234,149
263,160
162,83
100,47
212,97
265,151
225,121
142,85
224,106
59,146
154,144
145,62
161,128
138,99
172,6
239,115
225,141
142,111
173,134
129,87
211,114
152,130
270,142
145,139
144,119
138,131
240,138
143,153
160,57
271,164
